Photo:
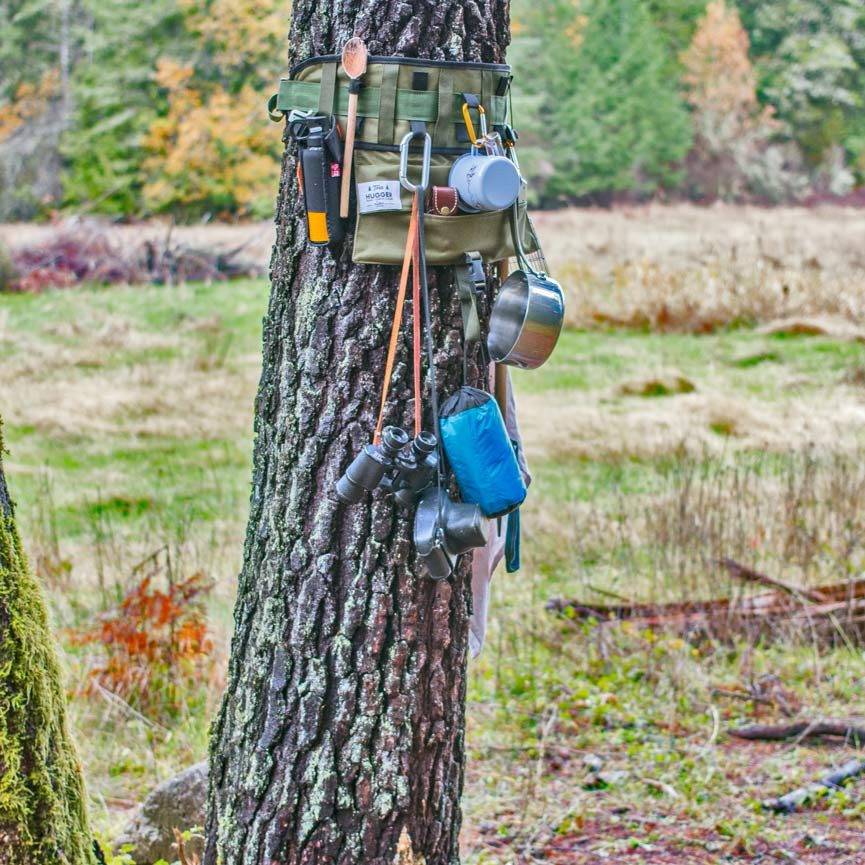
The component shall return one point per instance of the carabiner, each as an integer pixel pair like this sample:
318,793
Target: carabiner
467,119
425,164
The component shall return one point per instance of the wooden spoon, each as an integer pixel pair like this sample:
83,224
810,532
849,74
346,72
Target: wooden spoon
354,56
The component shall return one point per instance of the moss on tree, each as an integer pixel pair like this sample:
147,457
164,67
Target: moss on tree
43,819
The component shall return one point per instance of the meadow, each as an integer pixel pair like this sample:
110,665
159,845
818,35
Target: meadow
707,400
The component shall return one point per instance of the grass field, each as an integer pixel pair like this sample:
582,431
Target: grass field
731,424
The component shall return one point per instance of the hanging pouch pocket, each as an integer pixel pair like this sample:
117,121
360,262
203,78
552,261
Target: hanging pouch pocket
384,208
480,452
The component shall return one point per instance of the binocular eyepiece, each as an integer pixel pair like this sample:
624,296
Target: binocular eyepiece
401,468
443,529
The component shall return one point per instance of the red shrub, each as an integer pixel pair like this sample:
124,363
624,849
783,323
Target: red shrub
156,645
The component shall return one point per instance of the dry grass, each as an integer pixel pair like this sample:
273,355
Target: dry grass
690,269
665,268
709,420
256,238
130,417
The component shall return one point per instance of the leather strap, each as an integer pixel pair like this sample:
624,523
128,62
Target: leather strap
412,252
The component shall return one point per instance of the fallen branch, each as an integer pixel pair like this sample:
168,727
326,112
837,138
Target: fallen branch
785,607
801,729
749,575
743,695
791,801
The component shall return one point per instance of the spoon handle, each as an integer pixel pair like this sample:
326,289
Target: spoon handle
349,151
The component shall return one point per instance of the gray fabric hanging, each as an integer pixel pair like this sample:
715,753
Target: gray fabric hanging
486,559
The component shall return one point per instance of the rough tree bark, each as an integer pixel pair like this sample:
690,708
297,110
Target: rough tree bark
43,820
343,721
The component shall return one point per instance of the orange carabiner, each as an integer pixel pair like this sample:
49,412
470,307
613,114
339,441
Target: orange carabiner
470,127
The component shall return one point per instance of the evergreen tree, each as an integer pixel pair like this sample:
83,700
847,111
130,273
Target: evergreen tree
39,44
603,115
677,21
116,99
733,131
811,65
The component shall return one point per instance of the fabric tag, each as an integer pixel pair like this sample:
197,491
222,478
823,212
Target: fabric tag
378,195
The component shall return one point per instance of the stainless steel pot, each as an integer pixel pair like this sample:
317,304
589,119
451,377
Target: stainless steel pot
527,315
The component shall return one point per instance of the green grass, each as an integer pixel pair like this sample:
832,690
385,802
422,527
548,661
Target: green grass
129,420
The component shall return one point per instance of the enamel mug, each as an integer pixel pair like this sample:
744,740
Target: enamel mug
484,182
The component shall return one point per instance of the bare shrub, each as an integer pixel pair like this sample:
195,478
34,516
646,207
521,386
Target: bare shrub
796,518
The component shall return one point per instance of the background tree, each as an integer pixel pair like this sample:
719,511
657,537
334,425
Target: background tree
39,45
732,130
602,116
343,722
43,819
116,97
811,64
213,148
677,20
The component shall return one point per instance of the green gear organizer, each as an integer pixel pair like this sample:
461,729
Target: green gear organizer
397,91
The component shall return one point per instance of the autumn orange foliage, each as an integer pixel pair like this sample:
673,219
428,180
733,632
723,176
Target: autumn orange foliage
215,149
155,644
730,124
30,100
212,150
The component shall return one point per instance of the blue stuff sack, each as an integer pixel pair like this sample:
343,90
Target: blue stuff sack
480,452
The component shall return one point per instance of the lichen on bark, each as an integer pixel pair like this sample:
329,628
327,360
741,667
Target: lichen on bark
43,819
342,727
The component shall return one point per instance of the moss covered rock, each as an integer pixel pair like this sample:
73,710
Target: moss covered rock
43,819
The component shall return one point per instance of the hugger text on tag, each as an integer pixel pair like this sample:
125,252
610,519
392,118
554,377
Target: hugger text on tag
378,195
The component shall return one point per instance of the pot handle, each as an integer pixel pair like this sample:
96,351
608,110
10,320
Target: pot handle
522,259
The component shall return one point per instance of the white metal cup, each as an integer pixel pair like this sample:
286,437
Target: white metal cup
484,182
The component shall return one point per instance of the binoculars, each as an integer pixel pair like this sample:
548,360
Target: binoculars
401,469
443,529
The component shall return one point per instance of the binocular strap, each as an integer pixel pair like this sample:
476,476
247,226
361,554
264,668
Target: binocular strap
411,260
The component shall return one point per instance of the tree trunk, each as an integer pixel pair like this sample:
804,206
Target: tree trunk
43,819
343,721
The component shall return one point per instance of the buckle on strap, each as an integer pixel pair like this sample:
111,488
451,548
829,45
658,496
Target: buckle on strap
476,270
471,281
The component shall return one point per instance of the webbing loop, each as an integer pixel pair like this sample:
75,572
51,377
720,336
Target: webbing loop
327,93
387,104
411,244
471,281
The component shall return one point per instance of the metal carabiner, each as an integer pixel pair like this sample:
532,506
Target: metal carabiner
467,119
425,164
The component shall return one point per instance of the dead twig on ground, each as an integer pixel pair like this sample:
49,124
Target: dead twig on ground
727,617
749,575
791,801
802,729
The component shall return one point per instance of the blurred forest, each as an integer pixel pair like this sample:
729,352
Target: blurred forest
139,109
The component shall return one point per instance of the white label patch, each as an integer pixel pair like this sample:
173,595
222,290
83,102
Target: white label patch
378,195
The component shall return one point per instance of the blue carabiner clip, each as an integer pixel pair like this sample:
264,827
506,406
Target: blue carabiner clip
425,165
